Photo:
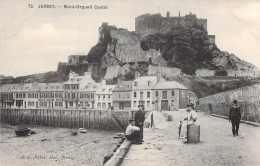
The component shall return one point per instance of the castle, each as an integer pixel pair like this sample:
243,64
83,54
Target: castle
153,23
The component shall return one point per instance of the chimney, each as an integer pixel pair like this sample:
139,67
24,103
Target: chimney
168,14
103,82
179,14
159,75
137,74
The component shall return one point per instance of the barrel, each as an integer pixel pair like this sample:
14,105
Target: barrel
193,133
169,117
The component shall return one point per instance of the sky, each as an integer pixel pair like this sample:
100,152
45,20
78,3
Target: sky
34,40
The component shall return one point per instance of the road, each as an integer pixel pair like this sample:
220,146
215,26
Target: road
217,145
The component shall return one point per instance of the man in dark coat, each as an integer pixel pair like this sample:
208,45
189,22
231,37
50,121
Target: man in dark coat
235,117
139,121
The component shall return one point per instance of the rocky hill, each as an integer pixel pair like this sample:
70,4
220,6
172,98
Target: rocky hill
184,43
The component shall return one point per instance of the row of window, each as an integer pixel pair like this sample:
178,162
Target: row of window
45,95
121,95
148,103
87,95
102,105
148,95
6,96
104,97
71,86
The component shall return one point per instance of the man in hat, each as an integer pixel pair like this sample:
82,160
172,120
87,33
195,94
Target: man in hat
139,121
235,117
191,119
132,132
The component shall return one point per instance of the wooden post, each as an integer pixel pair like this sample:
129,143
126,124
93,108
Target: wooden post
88,119
152,120
99,119
94,119
79,118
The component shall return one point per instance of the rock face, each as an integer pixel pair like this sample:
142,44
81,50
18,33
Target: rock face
125,47
230,61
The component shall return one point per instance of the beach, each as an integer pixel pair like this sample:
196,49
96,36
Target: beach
55,146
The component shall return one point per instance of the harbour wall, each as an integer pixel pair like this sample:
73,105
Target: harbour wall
92,119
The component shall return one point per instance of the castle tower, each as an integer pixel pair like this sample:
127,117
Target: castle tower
168,14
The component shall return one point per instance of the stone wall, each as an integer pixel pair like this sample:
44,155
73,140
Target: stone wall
67,118
243,73
153,70
205,72
248,98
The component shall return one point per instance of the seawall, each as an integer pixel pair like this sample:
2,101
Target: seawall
93,119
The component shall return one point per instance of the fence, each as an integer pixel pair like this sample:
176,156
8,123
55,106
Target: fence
94,119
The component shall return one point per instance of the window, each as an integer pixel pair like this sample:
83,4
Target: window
164,94
148,83
103,90
135,83
71,104
103,105
60,103
81,104
81,95
156,93
148,94
148,103
92,95
86,104
56,95
104,97
172,92
134,94
99,105
88,95
52,95
98,97
109,96
61,95
56,104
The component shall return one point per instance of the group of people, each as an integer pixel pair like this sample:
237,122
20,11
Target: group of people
134,131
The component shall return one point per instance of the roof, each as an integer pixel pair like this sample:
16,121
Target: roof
142,82
169,85
124,86
91,87
32,87
105,89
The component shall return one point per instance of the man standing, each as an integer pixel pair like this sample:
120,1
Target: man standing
132,132
139,121
235,117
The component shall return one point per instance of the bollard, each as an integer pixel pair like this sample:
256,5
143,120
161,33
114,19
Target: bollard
193,133
146,124
169,118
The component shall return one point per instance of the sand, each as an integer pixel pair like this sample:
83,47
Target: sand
55,146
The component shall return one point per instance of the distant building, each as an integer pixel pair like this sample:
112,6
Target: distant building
170,96
72,88
103,96
142,91
87,95
122,95
32,95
